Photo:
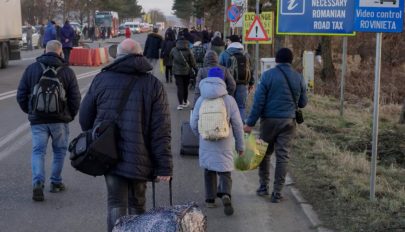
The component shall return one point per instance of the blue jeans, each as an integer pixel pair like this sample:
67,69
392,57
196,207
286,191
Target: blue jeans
241,94
59,132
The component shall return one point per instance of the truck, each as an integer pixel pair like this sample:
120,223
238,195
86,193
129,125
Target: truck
10,31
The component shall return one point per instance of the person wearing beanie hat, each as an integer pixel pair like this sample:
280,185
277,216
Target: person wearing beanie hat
145,113
216,155
216,72
239,64
274,104
284,55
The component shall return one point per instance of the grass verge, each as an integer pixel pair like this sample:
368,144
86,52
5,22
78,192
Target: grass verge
331,166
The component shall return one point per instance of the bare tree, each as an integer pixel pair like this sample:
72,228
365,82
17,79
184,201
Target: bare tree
402,115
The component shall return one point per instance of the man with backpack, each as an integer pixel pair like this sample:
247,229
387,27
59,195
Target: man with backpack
48,92
239,64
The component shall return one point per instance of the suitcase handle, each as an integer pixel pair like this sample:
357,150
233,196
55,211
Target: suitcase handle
154,192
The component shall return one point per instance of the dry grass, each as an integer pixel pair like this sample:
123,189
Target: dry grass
332,169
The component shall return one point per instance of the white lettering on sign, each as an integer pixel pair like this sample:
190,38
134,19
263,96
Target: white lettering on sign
386,25
321,25
329,14
329,3
292,5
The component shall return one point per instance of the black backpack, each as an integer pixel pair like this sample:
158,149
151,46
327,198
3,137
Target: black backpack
240,68
48,97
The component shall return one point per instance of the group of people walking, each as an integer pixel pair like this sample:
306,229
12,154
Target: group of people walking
223,79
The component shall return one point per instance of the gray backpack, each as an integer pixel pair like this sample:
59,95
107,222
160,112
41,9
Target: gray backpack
48,96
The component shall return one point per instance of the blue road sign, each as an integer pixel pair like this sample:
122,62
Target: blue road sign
316,17
233,13
379,15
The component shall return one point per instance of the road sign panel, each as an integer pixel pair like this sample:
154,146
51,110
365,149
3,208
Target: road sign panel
256,31
379,16
320,17
267,20
233,13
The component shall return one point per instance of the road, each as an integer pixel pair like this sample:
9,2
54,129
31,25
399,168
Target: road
82,207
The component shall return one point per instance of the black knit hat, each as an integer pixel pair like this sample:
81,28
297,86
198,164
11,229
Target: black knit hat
284,55
234,38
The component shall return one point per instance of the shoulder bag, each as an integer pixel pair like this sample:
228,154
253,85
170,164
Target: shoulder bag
95,152
299,117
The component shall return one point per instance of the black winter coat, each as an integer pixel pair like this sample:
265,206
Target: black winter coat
167,47
31,77
145,130
152,45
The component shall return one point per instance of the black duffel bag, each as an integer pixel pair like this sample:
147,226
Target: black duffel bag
95,152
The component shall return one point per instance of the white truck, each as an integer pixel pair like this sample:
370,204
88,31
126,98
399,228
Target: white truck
10,31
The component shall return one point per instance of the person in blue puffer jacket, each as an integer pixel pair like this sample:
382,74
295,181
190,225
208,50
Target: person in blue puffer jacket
275,106
67,35
50,33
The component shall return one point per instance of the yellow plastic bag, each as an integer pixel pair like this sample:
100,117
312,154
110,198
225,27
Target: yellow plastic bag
254,153
162,67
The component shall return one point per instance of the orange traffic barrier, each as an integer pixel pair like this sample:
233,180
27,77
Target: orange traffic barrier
95,57
81,57
103,55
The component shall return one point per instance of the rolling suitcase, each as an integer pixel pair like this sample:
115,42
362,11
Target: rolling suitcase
174,218
189,141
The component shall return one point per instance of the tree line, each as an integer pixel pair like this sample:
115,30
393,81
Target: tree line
38,11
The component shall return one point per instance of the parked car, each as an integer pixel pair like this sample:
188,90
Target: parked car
134,26
77,27
35,37
121,30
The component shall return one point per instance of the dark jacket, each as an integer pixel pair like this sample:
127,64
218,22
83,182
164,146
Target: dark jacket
182,58
217,45
31,77
67,35
144,124
273,97
210,61
152,46
167,47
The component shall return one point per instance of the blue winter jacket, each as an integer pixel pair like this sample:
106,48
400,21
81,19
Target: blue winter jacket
145,129
233,48
67,34
50,33
273,97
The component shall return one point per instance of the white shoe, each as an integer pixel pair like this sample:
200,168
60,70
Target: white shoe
185,105
179,107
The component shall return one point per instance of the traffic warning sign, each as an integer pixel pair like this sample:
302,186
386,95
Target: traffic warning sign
256,31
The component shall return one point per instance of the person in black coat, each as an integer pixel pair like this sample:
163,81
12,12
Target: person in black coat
168,44
44,126
152,46
145,129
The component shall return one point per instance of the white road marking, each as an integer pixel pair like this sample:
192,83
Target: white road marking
22,134
13,93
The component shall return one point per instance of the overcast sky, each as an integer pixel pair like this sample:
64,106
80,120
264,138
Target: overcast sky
164,5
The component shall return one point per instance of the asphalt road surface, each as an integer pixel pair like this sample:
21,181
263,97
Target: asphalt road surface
82,207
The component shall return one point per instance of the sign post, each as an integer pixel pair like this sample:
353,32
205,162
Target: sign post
378,16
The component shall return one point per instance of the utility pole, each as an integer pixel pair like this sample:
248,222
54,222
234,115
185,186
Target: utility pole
257,45
225,19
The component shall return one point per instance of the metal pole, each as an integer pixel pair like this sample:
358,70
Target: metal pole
225,19
257,46
375,115
342,82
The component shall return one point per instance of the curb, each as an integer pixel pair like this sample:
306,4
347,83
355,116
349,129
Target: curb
307,208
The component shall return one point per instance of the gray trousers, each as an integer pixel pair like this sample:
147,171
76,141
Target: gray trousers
125,197
279,133
212,189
